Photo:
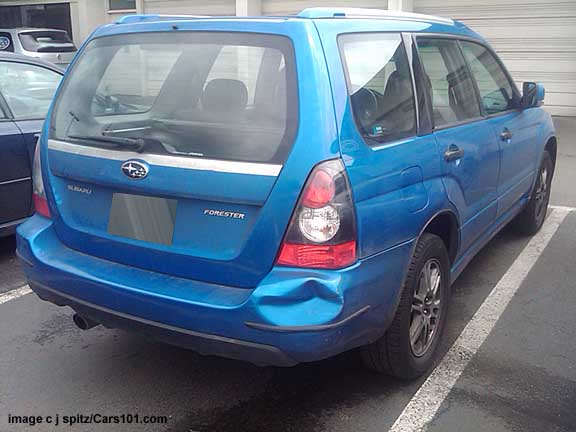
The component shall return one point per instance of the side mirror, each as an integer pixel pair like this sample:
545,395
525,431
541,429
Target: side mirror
532,95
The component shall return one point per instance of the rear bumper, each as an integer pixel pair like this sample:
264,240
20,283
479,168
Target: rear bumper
201,342
292,316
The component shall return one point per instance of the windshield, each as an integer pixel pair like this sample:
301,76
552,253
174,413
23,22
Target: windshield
46,41
218,95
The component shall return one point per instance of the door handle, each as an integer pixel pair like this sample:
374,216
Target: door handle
453,153
505,135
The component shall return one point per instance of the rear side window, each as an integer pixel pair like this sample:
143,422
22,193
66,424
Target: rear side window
380,85
216,95
496,91
450,85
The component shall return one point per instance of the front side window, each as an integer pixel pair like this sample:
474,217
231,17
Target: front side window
496,91
28,89
380,85
200,94
450,85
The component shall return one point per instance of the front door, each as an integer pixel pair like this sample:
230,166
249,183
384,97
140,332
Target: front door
26,92
465,141
15,181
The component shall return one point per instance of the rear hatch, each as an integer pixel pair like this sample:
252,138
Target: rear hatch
165,148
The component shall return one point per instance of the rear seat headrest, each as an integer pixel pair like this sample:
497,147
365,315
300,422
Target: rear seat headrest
225,95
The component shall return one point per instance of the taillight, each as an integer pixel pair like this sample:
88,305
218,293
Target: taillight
322,232
38,192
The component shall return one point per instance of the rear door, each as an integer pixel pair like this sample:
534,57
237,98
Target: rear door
465,140
174,151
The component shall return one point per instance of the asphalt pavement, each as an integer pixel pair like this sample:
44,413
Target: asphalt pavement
510,361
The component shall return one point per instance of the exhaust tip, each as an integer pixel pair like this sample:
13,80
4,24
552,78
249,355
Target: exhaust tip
83,323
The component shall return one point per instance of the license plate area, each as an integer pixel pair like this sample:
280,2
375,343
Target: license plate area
144,218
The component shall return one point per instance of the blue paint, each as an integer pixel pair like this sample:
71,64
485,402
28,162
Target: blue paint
220,273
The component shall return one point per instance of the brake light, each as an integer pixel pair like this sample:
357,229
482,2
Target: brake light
38,192
322,232
319,190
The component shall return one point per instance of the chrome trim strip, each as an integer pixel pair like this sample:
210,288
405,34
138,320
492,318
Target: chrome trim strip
250,168
15,181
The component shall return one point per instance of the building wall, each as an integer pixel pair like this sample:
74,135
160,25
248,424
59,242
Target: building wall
183,7
290,7
536,39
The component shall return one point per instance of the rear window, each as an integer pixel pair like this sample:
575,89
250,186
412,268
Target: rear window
46,41
215,95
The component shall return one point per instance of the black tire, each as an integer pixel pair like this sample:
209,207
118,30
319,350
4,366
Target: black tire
531,219
393,353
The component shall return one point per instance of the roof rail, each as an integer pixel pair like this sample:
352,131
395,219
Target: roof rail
321,12
138,18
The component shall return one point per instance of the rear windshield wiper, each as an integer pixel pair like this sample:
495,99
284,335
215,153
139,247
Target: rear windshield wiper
136,144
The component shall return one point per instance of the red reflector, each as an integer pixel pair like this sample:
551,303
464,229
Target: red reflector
320,190
318,256
41,206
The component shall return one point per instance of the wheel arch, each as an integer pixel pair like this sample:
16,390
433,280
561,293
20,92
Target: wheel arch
445,225
552,148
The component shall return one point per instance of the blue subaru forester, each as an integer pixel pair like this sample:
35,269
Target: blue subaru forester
282,189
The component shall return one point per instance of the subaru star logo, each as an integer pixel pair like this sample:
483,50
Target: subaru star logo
4,43
134,169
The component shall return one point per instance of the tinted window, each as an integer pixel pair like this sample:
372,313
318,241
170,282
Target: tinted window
214,95
496,91
226,66
446,75
52,15
122,4
118,91
379,85
28,89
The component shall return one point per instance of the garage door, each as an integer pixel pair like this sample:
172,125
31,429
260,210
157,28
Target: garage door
535,38
291,7
188,7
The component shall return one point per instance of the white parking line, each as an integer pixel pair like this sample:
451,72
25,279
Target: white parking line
425,403
14,294
557,207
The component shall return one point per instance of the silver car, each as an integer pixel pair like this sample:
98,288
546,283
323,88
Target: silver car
52,45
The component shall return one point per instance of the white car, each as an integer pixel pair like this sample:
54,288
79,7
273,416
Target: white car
52,45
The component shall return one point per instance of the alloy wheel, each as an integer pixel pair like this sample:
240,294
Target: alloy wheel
426,308
541,195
